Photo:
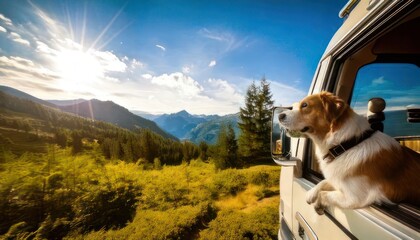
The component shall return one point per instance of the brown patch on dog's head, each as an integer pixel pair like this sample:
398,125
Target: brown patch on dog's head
322,113
335,109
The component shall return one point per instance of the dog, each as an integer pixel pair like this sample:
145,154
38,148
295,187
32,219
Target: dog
361,166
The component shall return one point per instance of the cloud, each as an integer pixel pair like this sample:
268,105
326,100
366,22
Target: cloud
186,69
229,40
22,41
109,61
15,61
378,81
172,92
182,83
223,91
22,69
17,38
284,94
43,48
217,35
136,63
6,20
212,63
147,76
161,47
2,29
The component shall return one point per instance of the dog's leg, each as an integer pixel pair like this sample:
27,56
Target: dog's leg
336,198
312,194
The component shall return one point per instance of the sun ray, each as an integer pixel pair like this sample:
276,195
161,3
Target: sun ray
113,36
69,22
107,26
82,38
92,117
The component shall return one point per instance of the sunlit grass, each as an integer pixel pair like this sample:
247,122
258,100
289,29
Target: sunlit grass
248,200
170,203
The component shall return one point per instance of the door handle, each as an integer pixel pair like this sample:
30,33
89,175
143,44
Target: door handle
304,229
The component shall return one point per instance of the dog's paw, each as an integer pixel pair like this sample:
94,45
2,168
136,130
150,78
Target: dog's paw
321,203
311,196
319,209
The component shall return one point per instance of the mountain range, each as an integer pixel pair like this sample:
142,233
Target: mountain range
195,128
181,125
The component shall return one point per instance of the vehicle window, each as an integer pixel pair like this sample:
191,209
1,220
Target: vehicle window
398,84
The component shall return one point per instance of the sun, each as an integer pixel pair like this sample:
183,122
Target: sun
78,70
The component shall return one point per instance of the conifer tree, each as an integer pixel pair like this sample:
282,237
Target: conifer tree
263,118
227,148
246,124
255,121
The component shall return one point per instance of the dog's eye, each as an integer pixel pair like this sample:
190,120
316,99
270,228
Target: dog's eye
303,105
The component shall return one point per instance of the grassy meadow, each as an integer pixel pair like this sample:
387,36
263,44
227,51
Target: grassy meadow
58,195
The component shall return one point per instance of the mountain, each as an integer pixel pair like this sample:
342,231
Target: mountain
94,109
196,128
66,102
16,93
209,130
180,123
108,111
146,115
27,126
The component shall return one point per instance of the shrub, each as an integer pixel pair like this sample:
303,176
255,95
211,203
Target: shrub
228,182
157,165
105,207
112,202
50,229
55,180
19,230
263,175
177,223
260,178
259,224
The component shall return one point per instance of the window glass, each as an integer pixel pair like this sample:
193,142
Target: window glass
399,85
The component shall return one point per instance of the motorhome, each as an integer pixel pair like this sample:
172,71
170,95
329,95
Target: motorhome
374,54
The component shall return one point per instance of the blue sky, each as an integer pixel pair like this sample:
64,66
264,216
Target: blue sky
164,56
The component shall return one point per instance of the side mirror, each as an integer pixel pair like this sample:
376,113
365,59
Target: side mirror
280,142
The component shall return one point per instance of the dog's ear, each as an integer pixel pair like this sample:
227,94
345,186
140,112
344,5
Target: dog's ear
334,107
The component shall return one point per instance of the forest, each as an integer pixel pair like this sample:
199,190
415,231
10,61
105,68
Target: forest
67,177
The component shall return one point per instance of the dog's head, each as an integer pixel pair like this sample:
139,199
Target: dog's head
315,115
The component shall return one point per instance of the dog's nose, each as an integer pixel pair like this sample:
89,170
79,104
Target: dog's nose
282,116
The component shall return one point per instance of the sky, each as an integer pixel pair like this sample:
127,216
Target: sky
164,56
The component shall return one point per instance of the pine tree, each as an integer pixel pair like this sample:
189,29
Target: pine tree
263,118
246,124
254,140
227,148
231,146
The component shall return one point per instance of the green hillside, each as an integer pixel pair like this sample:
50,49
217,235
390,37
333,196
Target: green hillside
209,130
110,112
29,126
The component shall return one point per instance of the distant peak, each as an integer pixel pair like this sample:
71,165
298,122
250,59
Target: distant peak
183,113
